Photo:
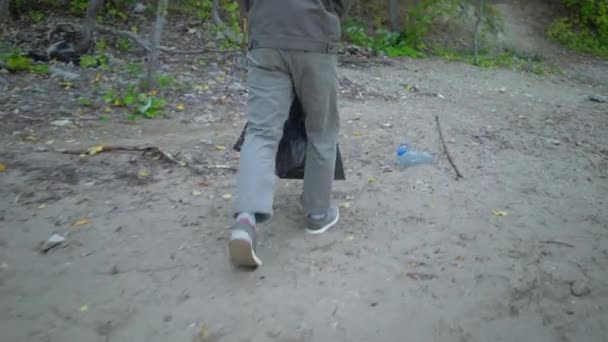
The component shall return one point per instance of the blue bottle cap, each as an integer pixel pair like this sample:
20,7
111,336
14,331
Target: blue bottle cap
402,149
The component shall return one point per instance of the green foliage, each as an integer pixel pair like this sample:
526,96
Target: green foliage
36,16
124,44
83,101
586,29
391,43
135,69
164,81
507,59
94,61
16,62
78,7
139,104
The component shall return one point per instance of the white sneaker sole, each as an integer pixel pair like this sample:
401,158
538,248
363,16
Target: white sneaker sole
326,227
241,250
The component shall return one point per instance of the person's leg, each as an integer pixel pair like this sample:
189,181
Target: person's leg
316,85
270,96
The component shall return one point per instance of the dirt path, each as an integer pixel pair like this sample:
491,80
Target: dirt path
418,255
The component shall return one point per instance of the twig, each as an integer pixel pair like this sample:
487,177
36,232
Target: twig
146,46
194,52
553,242
145,149
445,149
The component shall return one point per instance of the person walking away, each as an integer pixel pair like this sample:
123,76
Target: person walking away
292,52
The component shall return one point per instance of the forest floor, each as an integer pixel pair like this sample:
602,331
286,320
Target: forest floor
515,251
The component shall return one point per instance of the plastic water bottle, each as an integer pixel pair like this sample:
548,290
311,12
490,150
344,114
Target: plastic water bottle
407,157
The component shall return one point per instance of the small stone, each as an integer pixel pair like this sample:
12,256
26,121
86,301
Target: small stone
114,270
502,90
54,241
205,118
580,288
61,122
554,141
139,8
64,74
387,125
598,98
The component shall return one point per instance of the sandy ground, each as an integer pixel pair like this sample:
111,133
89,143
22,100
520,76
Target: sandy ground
418,255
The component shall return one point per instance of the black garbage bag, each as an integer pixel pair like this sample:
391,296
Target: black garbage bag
291,155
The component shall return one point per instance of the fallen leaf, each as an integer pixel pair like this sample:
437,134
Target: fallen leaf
42,206
107,109
372,179
459,258
196,193
220,147
412,264
220,79
357,133
2,167
345,205
153,92
143,173
203,335
499,213
95,149
84,308
350,238
227,196
180,106
81,222
201,87
98,77
204,183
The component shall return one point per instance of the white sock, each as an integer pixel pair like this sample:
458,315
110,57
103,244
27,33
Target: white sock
247,216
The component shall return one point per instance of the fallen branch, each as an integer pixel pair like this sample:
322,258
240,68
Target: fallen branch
445,149
553,242
146,45
153,150
134,37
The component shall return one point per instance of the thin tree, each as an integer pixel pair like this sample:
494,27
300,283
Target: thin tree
153,62
88,26
480,18
5,15
393,12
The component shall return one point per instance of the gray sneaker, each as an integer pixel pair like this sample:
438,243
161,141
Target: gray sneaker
242,245
322,225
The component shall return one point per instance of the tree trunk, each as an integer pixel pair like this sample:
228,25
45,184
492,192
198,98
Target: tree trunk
217,21
153,62
88,26
244,9
480,14
5,15
393,12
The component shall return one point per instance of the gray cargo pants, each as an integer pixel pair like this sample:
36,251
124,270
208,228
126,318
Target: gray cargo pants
273,76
